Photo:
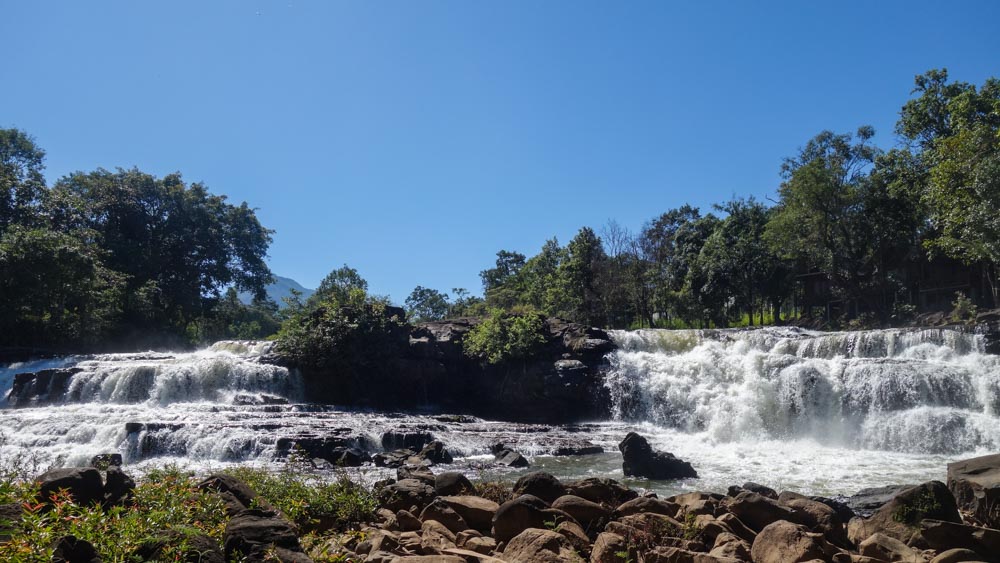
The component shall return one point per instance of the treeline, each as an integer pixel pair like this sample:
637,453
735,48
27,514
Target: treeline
122,259
852,224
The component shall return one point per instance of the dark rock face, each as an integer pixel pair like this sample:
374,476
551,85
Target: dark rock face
10,516
641,461
118,487
562,382
867,501
900,517
453,483
540,484
69,549
235,494
196,548
253,532
976,485
508,457
84,484
40,388
103,461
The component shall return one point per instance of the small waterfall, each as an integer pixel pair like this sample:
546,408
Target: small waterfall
917,391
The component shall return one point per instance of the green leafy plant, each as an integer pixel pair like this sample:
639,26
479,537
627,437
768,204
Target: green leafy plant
502,337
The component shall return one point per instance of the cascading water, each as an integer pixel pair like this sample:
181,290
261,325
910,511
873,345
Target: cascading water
927,391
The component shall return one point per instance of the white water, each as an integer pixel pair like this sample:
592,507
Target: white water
818,413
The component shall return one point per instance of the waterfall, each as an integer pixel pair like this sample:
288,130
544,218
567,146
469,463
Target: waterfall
905,390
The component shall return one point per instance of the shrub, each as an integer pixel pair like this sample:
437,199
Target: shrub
502,337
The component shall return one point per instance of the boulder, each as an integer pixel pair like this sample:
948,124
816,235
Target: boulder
695,504
601,491
866,501
758,512
118,487
818,516
435,453
236,495
407,521
418,472
395,458
10,517
477,511
83,484
540,484
942,536
510,458
608,548
521,513
406,494
957,556
575,534
901,516
647,504
453,483
587,513
730,545
402,439
70,549
253,532
441,512
673,554
104,461
785,542
641,461
540,546
881,546
976,485
753,488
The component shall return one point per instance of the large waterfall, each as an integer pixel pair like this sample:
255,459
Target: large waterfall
917,391
814,412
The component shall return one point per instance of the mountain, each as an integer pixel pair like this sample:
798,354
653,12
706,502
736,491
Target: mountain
282,287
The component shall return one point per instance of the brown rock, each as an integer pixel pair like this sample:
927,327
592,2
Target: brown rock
440,511
881,546
785,542
601,491
477,511
730,545
646,504
609,547
523,512
976,485
942,536
900,517
585,512
757,511
957,556
818,516
540,484
540,546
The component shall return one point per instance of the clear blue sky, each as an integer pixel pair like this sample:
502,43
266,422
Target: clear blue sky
412,140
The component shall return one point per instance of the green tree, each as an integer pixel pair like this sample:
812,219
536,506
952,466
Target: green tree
21,182
503,337
425,304
580,274
339,284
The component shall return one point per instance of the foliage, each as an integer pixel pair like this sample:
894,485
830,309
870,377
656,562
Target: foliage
502,337
305,500
164,499
964,309
425,304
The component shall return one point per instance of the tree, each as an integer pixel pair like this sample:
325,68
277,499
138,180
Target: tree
425,304
21,182
502,337
580,273
339,284
956,130
176,244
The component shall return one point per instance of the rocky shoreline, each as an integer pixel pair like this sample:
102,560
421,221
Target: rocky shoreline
443,517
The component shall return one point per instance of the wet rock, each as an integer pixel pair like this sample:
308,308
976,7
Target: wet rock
976,485
584,448
245,400
406,494
418,472
396,458
436,453
452,483
510,458
901,516
866,501
641,461
413,440
70,549
540,484
540,546
236,495
601,491
784,542
83,484
43,387
104,461
761,490
189,548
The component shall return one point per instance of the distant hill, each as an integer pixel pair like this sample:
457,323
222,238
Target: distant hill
281,288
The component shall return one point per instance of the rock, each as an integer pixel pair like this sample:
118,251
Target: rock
118,487
785,542
976,485
956,556
477,511
866,501
695,504
647,504
588,514
418,472
69,549
83,484
941,535
253,532
236,495
453,483
510,458
841,508
10,518
757,511
104,461
608,548
730,545
681,555
189,548
441,512
575,534
428,559
641,461
881,546
578,449
540,484
435,537
405,495
407,521
760,490
521,513
347,457
435,453
818,516
396,458
901,516
540,546
736,526
601,491
413,440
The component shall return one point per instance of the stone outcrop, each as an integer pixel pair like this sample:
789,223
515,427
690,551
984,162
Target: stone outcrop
641,461
976,485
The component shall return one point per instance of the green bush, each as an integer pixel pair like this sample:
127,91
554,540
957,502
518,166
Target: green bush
502,337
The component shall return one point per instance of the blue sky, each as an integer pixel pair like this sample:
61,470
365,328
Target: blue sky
412,140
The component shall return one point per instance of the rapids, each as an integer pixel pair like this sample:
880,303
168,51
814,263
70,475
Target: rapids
822,413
